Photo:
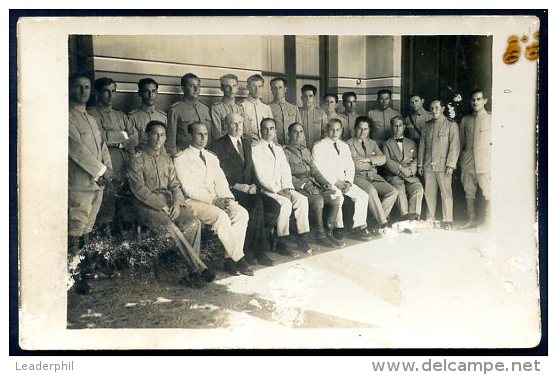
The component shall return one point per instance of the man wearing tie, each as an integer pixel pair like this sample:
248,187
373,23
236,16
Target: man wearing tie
274,176
367,157
207,192
332,158
254,109
401,166
236,162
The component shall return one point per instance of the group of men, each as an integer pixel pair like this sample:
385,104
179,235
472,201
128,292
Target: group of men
254,172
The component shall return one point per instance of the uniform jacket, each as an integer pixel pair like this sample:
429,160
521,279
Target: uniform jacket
142,116
439,144
153,181
284,114
87,151
334,167
314,121
302,167
200,181
236,170
363,167
348,131
475,139
418,120
396,159
219,110
112,122
254,112
272,172
180,115
380,129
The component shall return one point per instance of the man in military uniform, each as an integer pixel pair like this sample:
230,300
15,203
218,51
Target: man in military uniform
235,158
416,121
275,178
185,112
381,117
89,164
367,157
475,157
437,157
307,180
401,167
159,202
254,109
349,100
148,91
208,194
284,113
219,110
312,117
120,134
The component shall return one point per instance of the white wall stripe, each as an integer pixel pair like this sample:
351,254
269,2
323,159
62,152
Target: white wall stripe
365,83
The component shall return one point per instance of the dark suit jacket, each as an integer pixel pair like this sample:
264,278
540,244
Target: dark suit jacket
395,158
235,170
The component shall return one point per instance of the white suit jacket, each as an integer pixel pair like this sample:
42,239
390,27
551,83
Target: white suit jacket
201,182
335,167
272,172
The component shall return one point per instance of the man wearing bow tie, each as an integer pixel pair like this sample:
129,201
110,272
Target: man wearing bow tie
367,157
401,166
275,177
209,196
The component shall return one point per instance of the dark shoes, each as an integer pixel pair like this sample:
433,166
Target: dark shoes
230,267
198,280
447,225
329,241
236,268
283,249
207,275
81,287
264,260
303,244
250,259
362,233
338,233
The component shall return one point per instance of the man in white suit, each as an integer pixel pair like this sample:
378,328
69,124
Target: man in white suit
207,192
274,176
333,159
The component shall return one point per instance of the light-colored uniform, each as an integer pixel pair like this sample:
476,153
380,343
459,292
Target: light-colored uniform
338,166
274,174
285,114
254,112
348,131
219,110
439,148
475,158
415,123
144,115
314,121
202,183
88,159
380,128
180,115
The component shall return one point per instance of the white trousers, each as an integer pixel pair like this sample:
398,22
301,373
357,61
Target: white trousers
230,225
360,199
299,204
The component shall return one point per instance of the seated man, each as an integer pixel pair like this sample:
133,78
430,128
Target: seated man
212,202
402,155
307,180
161,205
367,157
236,162
333,160
274,176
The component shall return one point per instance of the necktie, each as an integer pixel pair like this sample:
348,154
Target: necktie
364,147
202,157
273,151
240,149
336,148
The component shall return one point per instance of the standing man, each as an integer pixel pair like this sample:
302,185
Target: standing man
416,121
332,158
219,110
254,109
148,91
475,157
349,100
437,158
367,157
330,107
312,117
274,176
159,202
236,162
206,189
185,112
401,167
308,181
120,135
381,117
89,164
284,113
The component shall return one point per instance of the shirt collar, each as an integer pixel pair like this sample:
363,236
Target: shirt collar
281,101
148,109
252,100
420,111
234,139
78,107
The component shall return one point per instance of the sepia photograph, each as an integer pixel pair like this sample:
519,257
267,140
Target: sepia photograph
279,182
